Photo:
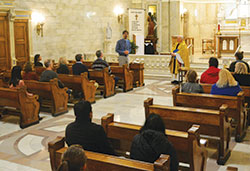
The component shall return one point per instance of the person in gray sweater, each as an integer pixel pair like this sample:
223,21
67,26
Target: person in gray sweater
191,86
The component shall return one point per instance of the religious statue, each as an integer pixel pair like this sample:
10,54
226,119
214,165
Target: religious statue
108,32
151,25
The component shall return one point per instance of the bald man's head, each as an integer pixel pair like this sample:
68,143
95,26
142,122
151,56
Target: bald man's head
180,39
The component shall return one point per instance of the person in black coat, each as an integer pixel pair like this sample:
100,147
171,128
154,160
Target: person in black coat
79,67
241,75
37,60
239,56
82,131
152,142
63,68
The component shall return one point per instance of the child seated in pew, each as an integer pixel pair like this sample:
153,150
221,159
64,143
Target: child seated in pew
226,85
191,86
241,75
74,159
82,131
152,142
28,73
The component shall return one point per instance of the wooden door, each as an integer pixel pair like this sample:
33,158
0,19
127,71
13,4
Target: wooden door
4,43
21,41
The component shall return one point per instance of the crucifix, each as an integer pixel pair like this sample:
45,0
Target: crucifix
136,16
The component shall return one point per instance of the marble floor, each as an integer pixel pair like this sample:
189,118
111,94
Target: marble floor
26,149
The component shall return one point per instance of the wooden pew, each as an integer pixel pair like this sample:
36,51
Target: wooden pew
237,107
80,83
212,122
138,69
126,76
27,106
98,161
50,91
106,82
187,144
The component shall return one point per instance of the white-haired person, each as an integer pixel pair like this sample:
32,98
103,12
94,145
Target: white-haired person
179,58
241,74
226,85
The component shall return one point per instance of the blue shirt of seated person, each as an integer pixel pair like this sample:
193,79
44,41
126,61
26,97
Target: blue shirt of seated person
226,85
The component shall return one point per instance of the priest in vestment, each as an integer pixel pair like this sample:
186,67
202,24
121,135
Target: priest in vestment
180,58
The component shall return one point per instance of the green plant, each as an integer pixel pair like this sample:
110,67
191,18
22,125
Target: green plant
133,47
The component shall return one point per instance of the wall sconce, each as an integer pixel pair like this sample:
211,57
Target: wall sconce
38,19
183,13
119,13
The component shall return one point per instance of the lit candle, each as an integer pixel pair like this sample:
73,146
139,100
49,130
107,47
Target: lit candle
218,27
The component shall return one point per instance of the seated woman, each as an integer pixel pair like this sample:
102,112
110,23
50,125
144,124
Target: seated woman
28,73
152,142
73,159
37,60
63,68
241,75
191,86
239,58
226,85
16,79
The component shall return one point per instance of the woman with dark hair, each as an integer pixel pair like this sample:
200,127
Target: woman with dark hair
37,60
16,78
28,73
74,159
239,58
152,142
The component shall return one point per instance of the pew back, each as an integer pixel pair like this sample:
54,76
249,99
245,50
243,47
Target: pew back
98,161
187,144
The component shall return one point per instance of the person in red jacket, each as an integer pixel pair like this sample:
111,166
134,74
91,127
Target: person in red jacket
211,75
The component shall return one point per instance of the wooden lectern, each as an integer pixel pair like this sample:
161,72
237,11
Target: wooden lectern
227,44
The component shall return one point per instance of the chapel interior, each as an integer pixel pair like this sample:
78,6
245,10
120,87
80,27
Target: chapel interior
218,138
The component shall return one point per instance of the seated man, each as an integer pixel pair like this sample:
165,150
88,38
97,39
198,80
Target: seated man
49,74
211,75
85,133
79,67
100,64
239,56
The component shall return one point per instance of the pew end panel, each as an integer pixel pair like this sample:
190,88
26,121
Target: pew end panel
60,98
148,103
26,106
88,88
128,78
53,147
200,153
29,107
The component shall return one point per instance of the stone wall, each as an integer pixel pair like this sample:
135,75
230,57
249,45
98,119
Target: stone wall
73,26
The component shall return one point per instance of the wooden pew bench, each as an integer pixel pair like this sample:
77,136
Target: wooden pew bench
138,69
126,76
58,97
80,83
237,107
124,73
246,89
212,123
105,80
27,106
188,146
98,161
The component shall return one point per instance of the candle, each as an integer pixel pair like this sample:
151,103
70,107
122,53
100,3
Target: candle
218,27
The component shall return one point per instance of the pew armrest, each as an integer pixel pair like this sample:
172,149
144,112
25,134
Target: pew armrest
53,146
163,163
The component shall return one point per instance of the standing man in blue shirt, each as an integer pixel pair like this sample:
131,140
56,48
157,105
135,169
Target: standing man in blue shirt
123,48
